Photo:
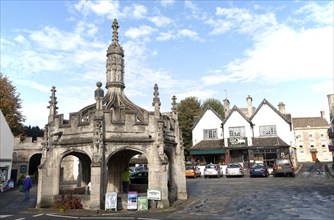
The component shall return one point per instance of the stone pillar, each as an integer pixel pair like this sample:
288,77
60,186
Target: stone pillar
46,188
179,177
95,196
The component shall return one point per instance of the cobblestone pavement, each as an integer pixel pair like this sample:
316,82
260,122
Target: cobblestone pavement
310,195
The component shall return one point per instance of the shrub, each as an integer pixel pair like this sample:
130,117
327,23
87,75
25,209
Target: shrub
68,202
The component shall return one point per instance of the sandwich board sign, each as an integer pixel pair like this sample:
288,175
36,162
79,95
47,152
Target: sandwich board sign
153,194
142,203
111,201
133,200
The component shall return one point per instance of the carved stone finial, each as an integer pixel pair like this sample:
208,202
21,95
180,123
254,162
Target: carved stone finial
156,99
53,102
115,30
174,104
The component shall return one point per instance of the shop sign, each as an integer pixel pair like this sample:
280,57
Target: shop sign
153,194
237,142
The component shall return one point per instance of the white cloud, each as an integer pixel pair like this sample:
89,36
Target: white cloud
139,11
322,14
188,33
109,8
282,55
240,20
21,39
160,20
164,36
142,31
167,3
53,38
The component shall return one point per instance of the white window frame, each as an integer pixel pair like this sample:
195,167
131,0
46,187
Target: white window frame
210,134
237,131
268,130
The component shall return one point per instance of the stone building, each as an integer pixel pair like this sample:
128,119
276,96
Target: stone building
311,138
105,135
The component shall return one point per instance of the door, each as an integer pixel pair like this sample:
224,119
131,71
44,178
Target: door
314,156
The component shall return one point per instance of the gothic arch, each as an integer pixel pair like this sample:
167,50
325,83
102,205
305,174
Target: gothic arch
66,168
116,162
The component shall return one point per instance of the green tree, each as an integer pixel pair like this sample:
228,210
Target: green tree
215,104
188,110
10,105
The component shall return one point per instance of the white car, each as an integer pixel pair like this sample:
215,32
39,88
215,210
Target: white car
212,170
234,169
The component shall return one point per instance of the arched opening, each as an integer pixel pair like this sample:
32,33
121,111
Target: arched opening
34,162
74,174
137,163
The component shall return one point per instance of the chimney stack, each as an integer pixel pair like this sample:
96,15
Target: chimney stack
281,107
250,108
322,114
226,107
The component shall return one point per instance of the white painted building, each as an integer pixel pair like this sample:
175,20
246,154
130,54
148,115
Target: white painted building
207,126
207,138
6,149
245,135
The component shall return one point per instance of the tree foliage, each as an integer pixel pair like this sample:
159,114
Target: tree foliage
215,104
10,105
188,110
33,132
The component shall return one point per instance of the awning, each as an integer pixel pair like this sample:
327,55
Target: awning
202,152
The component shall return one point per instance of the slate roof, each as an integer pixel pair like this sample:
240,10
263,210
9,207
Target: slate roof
269,142
209,145
309,121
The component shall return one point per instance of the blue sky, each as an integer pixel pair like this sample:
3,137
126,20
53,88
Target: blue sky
278,50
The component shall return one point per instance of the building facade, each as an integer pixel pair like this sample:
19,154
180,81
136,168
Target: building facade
311,138
6,149
105,135
207,138
245,135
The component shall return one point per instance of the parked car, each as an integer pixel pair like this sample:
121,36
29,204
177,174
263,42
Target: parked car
234,169
192,171
258,169
212,170
283,167
139,177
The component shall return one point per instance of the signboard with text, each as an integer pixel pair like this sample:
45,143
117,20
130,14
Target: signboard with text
153,194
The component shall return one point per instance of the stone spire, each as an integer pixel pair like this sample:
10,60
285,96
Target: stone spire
115,62
174,104
156,101
53,104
